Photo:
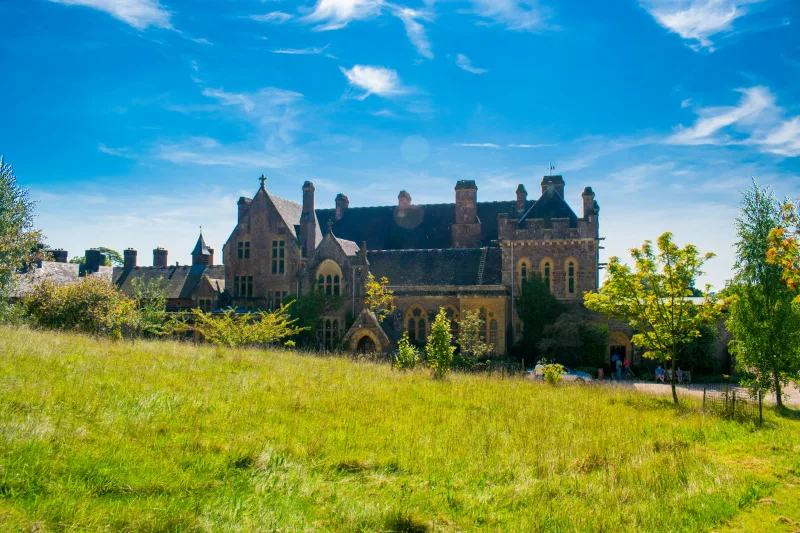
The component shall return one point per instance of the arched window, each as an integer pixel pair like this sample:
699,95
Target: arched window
452,316
329,277
335,333
571,278
321,284
416,325
482,333
336,285
547,272
321,332
523,272
493,334
328,334
329,285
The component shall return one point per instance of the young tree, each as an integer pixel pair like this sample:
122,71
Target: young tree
654,298
537,308
379,297
784,250
439,348
150,297
407,354
469,337
763,320
18,237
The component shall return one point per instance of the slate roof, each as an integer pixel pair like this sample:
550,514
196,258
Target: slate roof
182,281
350,248
551,205
200,248
423,226
59,273
443,267
291,213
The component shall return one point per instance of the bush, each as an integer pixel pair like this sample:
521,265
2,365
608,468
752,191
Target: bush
407,356
92,305
439,348
552,373
233,329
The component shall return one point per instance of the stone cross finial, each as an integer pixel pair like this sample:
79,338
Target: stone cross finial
330,226
262,179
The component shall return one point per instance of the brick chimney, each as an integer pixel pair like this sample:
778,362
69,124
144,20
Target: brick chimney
59,255
590,207
308,221
403,199
94,260
159,257
129,259
342,203
556,182
466,231
522,199
244,207
211,257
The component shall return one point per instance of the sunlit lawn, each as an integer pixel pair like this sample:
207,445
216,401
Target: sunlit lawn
161,436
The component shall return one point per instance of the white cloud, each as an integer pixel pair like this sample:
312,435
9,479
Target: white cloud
336,14
138,13
686,103
300,51
276,17
697,20
638,177
374,80
756,120
478,145
415,30
463,63
518,15
117,152
529,145
201,152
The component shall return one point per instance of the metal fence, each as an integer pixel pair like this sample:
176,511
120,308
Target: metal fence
733,403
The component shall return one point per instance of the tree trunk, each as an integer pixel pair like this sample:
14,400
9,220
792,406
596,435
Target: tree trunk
778,399
672,381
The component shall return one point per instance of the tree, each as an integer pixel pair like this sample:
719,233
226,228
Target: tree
113,258
784,251
439,348
763,319
536,307
379,297
233,329
407,354
575,331
18,237
469,338
308,310
654,298
150,297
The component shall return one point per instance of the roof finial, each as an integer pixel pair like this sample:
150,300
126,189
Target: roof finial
201,230
330,226
550,168
262,179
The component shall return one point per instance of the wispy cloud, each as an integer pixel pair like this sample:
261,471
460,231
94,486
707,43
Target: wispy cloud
117,152
638,177
275,17
517,15
686,102
205,153
140,14
463,63
415,31
477,145
756,120
529,145
336,14
697,20
374,80
300,51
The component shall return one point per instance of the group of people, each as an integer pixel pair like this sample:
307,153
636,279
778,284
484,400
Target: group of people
622,367
664,376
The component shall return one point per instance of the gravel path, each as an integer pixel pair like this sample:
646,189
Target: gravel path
792,391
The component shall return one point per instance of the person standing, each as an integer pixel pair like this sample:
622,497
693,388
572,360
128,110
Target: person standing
627,368
619,369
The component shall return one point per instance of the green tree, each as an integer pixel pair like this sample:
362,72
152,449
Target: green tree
18,237
537,308
113,258
654,298
307,311
150,297
379,299
699,353
763,320
439,348
469,340
784,240
234,329
574,331
407,356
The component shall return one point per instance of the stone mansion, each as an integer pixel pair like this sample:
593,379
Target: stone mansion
466,255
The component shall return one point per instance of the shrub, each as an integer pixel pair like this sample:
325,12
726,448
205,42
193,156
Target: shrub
233,329
439,348
407,356
469,339
552,373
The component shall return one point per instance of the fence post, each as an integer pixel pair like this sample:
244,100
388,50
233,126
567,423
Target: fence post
760,409
733,404
704,397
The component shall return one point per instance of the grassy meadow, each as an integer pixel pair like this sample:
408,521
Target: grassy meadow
162,436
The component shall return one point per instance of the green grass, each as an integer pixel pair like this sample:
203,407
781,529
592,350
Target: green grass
171,437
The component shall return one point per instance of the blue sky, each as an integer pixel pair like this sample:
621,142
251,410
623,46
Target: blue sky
134,122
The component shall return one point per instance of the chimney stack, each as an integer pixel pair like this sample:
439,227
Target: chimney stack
522,199
244,207
308,221
129,259
94,260
556,182
403,199
342,203
59,255
159,257
211,257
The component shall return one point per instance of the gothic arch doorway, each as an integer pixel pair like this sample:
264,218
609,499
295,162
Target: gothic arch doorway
366,345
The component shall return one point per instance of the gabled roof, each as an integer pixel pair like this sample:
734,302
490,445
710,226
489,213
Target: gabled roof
181,281
58,273
291,212
551,205
348,247
445,267
200,248
423,226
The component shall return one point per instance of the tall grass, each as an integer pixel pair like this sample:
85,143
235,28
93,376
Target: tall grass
161,436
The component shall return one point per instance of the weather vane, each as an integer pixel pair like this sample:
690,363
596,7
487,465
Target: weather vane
550,168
